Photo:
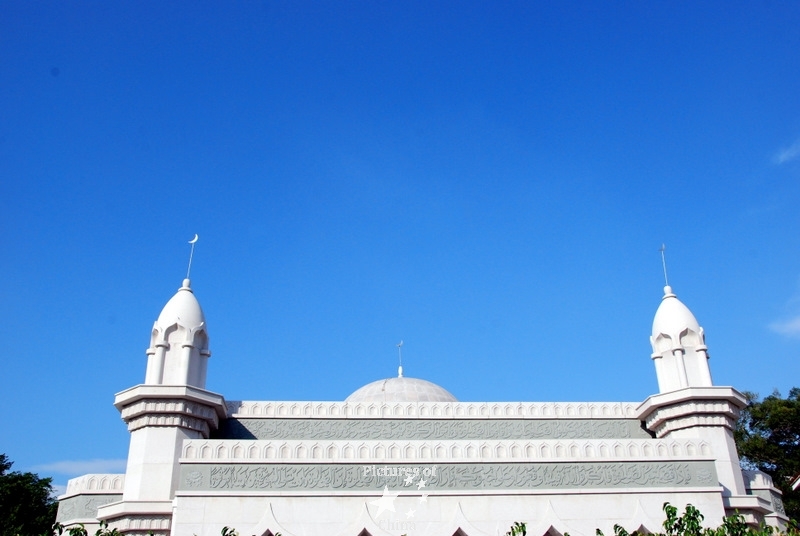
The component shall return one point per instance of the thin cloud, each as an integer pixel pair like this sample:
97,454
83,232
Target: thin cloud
790,328
788,154
82,467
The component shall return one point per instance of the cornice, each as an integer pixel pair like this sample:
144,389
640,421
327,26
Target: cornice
691,407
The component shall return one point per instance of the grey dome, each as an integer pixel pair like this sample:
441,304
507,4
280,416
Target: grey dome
401,390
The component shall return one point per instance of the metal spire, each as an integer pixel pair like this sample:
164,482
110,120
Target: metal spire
193,241
400,357
664,263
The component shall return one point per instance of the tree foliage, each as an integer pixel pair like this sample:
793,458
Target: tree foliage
768,439
690,523
80,530
27,505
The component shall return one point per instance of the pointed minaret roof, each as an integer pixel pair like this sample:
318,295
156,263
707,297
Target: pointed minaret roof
673,317
182,309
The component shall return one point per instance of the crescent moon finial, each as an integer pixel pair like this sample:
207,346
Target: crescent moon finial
193,241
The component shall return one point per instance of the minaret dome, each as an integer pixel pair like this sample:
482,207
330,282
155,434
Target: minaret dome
679,348
178,350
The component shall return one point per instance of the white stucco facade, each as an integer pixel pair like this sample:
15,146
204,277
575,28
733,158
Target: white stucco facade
403,456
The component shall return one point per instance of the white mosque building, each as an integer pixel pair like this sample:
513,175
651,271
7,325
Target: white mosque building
403,456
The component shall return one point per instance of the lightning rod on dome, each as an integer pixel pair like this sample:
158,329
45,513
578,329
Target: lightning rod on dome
664,263
400,357
193,241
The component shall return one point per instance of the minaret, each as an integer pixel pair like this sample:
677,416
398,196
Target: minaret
171,406
688,404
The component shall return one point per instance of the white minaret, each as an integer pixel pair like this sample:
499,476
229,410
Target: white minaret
688,405
170,407
679,349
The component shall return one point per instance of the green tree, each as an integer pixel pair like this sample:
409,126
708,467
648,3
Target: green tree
27,506
690,523
768,439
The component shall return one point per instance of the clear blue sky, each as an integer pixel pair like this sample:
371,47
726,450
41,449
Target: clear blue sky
488,181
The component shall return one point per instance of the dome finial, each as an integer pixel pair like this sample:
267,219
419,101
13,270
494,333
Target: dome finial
193,241
400,357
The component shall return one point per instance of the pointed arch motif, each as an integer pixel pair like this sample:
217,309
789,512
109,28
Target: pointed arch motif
269,525
552,531
459,525
689,338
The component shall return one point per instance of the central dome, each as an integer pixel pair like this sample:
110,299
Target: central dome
401,390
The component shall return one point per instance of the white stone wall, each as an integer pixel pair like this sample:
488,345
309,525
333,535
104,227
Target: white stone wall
479,514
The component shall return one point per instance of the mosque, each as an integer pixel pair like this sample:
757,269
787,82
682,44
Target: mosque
402,456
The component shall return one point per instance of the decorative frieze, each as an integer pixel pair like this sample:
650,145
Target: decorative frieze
430,429
434,410
446,477
330,451
83,506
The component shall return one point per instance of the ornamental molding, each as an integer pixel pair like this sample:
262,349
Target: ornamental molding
327,452
154,393
665,427
662,420
179,421
96,483
169,405
157,525
144,412
438,410
138,517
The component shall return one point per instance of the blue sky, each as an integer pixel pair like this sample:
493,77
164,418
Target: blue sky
488,182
